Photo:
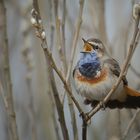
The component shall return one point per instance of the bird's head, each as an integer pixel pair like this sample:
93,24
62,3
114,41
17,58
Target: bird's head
94,44
89,63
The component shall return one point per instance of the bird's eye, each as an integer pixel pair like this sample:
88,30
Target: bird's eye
96,47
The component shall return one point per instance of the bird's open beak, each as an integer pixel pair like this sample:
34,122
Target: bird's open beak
87,47
84,40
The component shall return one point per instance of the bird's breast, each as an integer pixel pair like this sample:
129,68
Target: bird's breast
92,80
96,88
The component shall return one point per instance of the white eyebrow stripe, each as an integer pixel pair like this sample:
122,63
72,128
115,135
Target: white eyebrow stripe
94,43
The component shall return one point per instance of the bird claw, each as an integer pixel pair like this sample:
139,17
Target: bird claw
85,117
87,102
88,119
102,104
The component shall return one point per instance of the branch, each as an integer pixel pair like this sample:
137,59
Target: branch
130,124
136,137
75,39
26,52
74,43
41,34
12,128
84,130
125,66
37,23
59,105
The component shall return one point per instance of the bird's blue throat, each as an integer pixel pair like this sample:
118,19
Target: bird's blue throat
89,64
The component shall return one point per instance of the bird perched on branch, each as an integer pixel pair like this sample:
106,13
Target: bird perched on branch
96,73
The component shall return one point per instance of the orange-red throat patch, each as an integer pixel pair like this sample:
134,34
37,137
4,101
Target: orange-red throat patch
92,80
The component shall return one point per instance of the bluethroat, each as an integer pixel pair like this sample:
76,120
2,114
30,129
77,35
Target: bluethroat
96,73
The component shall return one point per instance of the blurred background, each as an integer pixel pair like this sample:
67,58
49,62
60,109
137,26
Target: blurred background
34,96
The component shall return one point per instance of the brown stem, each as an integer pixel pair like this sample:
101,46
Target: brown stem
125,66
59,105
75,39
84,130
48,55
7,76
130,124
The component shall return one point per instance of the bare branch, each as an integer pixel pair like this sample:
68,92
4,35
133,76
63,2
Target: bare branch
125,66
39,30
29,65
8,83
136,137
84,130
75,39
130,124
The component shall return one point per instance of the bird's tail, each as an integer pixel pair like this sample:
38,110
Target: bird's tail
132,101
131,92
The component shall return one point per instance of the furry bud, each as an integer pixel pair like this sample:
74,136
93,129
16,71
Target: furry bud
136,11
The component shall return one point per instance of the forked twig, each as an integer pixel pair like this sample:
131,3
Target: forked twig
85,117
136,137
125,66
37,23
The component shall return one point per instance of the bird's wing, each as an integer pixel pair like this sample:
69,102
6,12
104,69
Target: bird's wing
115,69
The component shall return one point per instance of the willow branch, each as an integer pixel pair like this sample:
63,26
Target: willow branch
124,69
136,137
130,124
75,39
84,130
59,105
29,65
41,34
7,76
74,43
62,53
63,33
66,86
60,46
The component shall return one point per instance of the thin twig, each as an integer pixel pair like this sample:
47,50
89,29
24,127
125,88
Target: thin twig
136,137
75,39
66,86
3,96
84,130
60,46
74,43
59,105
39,31
29,65
62,54
63,33
130,124
125,66
60,111
49,75
8,83
41,34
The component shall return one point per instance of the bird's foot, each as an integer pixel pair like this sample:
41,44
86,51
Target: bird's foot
87,101
85,117
102,104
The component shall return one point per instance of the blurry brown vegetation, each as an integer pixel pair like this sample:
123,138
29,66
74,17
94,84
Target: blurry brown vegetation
31,89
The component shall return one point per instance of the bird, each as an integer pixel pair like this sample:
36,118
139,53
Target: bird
95,74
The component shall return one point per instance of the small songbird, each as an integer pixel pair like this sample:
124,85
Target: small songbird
96,73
